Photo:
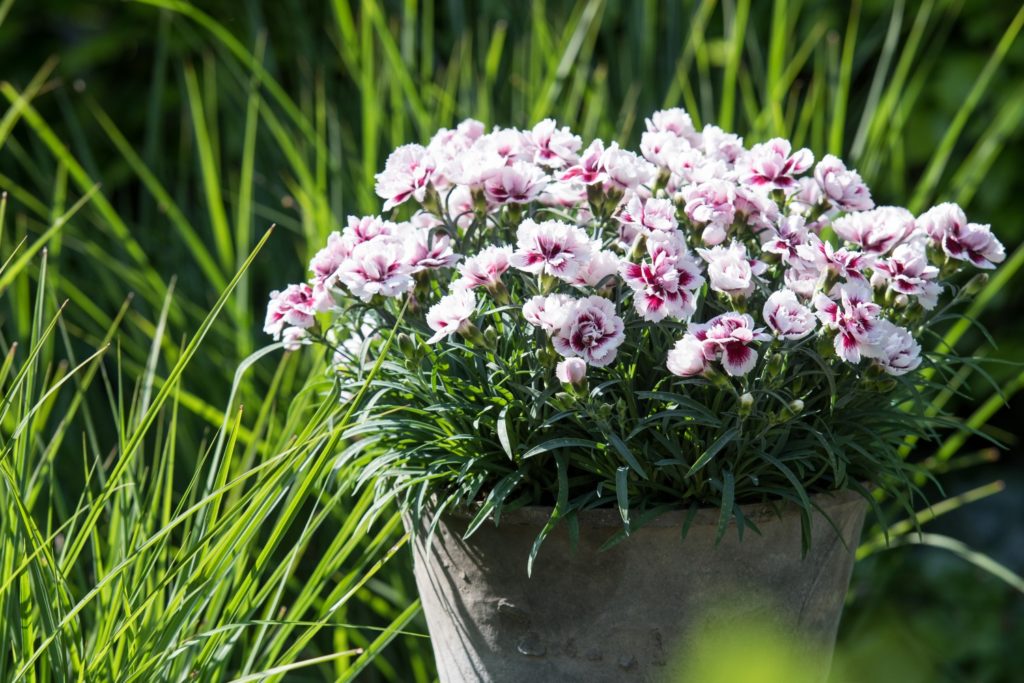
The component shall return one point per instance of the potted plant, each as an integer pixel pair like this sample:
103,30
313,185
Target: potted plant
618,394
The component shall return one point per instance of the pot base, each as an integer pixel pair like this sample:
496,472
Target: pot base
635,611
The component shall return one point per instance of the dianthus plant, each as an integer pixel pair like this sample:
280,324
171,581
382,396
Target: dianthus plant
701,323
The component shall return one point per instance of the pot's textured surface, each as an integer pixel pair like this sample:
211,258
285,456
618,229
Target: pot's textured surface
631,613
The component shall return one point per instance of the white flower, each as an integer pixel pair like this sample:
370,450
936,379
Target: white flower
485,269
730,270
948,228
787,317
571,371
877,231
592,332
549,313
550,248
450,314
843,187
895,349
407,172
771,166
687,357
380,266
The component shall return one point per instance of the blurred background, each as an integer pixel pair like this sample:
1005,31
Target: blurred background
205,123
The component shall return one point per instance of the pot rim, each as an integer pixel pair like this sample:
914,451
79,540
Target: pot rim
538,515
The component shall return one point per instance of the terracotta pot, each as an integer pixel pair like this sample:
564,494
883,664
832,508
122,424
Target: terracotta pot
633,612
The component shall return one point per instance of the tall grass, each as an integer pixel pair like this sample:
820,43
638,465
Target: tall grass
170,511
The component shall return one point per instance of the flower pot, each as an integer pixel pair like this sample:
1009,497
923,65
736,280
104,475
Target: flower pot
634,611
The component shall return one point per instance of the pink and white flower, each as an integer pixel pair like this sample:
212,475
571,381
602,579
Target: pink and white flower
843,187
428,249
519,183
294,338
406,174
895,349
877,231
727,337
853,315
592,332
510,144
625,170
907,273
552,146
451,314
948,228
589,169
784,238
675,121
550,312
687,165
485,269
757,209
770,165
718,144
361,229
571,371
550,248
380,266
787,317
661,147
686,358
597,268
324,266
291,307
712,205
730,270
822,255
642,217
664,285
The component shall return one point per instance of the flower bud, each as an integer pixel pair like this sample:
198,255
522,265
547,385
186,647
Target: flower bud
976,284
491,338
571,371
407,346
746,403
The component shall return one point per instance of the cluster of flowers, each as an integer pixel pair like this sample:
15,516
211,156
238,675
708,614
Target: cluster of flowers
599,230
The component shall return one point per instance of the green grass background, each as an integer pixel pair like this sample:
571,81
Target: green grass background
171,513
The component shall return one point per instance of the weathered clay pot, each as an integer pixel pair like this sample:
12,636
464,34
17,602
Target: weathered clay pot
629,613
